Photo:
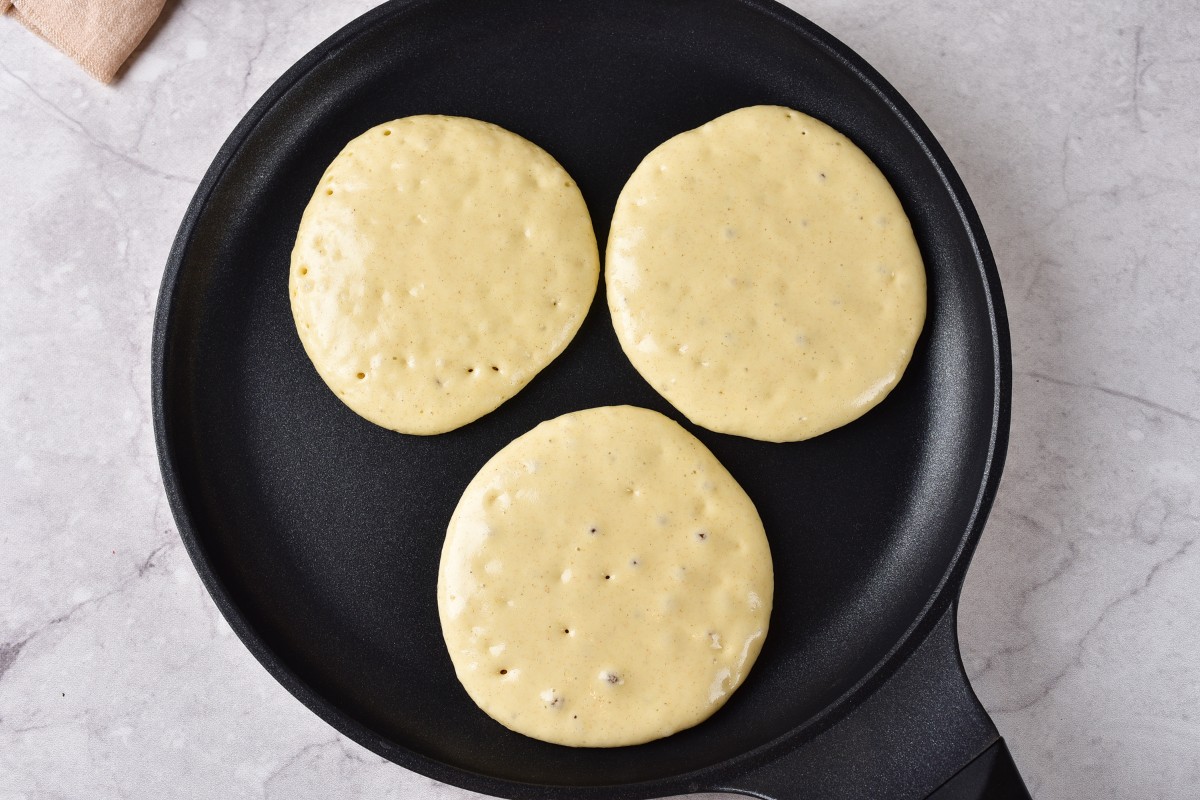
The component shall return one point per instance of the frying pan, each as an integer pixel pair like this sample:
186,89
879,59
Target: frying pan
318,534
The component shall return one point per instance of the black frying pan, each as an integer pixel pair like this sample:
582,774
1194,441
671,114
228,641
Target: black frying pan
318,533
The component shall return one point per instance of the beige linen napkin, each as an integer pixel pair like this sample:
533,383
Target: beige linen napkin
99,34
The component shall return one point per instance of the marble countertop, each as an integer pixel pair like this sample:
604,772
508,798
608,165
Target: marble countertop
1073,126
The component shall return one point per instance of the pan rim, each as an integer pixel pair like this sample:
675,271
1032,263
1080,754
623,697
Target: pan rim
944,594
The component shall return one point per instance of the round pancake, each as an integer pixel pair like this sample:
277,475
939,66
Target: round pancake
763,277
604,581
441,263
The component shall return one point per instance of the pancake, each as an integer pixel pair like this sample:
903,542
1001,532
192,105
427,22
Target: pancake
763,277
604,581
441,263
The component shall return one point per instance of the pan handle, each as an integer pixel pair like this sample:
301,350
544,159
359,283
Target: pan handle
922,733
991,776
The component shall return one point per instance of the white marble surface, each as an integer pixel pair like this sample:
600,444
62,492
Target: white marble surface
1075,126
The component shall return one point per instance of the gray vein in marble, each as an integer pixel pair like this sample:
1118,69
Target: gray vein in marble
8,654
1138,71
9,651
1025,597
1077,658
291,760
253,57
1142,401
54,111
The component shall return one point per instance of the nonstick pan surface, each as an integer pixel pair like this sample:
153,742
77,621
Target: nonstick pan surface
318,534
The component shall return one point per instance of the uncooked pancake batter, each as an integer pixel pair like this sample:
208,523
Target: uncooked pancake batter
604,581
441,263
763,276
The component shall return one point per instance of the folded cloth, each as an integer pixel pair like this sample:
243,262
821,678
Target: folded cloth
99,34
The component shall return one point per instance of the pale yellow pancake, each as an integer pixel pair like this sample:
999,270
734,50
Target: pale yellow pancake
441,263
763,276
604,581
